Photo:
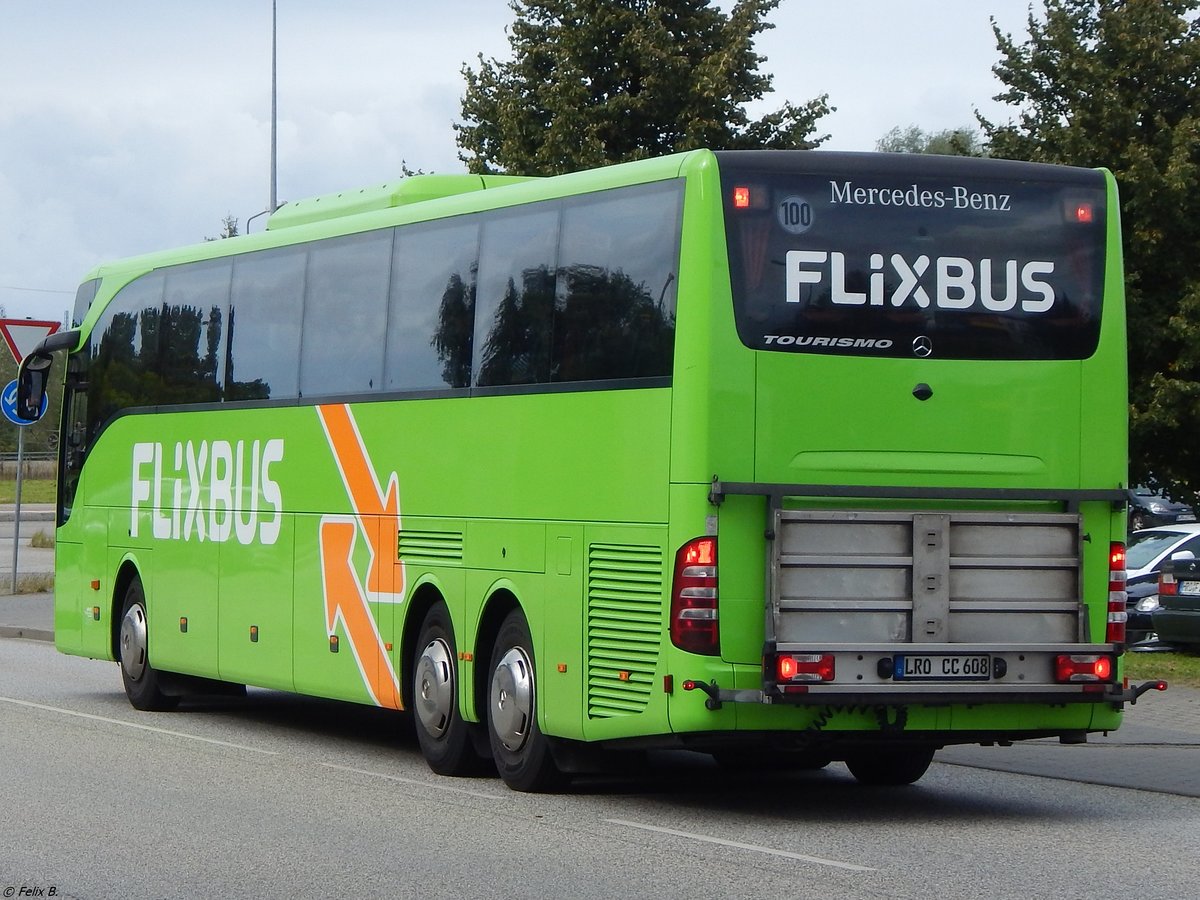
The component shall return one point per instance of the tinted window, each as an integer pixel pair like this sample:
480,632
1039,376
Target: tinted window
617,261
345,314
515,302
195,308
123,350
264,324
432,313
84,296
890,261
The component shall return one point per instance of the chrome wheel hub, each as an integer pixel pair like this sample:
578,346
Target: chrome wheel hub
434,687
133,642
512,699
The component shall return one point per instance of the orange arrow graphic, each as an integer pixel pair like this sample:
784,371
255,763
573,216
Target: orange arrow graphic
376,515
369,502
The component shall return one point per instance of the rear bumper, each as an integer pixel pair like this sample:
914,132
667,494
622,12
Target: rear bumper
873,675
1177,625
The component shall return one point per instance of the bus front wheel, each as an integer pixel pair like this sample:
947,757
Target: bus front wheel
143,684
443,735
520,750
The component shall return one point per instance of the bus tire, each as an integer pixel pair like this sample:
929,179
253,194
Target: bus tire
890,767
521,752
143,683
444,737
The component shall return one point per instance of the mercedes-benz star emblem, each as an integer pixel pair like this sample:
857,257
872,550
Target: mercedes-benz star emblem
922,346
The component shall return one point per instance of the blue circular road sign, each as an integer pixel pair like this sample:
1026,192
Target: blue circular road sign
8,404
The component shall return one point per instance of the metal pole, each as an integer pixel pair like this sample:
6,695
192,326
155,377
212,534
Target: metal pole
17,504
274,204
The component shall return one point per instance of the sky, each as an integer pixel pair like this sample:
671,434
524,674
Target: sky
138,125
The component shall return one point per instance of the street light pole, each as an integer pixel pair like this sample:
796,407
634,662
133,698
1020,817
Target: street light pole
273,205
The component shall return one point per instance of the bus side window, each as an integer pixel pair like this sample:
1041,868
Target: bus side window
345,314
616,312
515,305
431,313
264,325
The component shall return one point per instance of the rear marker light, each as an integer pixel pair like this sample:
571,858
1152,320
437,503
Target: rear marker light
741,198
695,625
1117,597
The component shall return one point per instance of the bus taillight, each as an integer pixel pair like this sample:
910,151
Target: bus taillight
1086,668
694,619
1118,599
805,667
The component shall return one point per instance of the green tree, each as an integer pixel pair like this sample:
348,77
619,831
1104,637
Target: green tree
948,142
593,82
1116,83
229,228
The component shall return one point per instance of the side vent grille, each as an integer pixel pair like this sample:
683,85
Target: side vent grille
624,627
435,548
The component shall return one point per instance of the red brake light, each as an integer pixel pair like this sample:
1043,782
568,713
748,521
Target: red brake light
1087,668
695,625
805,667
741,198
1118,599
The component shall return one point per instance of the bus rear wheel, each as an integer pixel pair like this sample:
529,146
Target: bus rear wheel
520,750
143,684
444,737
890,767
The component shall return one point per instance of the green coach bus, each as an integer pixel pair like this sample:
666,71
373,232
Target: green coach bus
785,457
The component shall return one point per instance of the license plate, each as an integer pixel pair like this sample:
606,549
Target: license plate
940,667
1187,517
1189,587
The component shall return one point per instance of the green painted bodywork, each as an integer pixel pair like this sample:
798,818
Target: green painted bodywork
524,494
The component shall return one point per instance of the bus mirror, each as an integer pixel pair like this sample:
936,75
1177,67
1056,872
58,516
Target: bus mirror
31,386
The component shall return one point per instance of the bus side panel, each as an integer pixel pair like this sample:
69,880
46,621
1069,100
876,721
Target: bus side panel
71,605
181,605
713,410
255,611
565,582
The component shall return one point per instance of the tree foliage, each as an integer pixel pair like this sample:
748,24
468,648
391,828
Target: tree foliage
229,228
593,82
948,142
1116,83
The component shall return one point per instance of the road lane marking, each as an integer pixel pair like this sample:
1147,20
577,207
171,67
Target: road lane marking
122,722
416,781
738,845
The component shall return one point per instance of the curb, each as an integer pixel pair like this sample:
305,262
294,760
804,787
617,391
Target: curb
28,634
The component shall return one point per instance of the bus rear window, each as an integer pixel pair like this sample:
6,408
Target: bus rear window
904,256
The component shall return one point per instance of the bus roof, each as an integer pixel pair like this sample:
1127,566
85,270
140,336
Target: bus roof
415,189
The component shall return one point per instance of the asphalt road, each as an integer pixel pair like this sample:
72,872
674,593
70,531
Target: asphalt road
284,796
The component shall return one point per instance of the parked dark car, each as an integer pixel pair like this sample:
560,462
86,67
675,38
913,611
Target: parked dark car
1148,550
1148,507
1177,619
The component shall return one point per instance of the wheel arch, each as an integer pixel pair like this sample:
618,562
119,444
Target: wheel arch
422,599
126,573
500,603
